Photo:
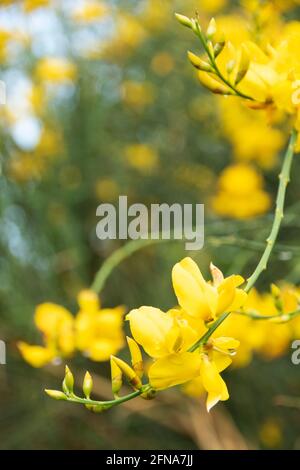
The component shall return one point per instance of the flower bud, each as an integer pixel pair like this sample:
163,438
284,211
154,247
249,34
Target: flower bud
243,66
116,377
184,20
212,29
131,375
198,63
56,394
68,383
136,357
219,46
87,385
213,85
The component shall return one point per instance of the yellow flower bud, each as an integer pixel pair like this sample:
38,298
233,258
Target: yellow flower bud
218,47
131,375
243,66
87,385
56,394
213,85
275,290
136,357
184,20
212,28
68,383
116,377
198,63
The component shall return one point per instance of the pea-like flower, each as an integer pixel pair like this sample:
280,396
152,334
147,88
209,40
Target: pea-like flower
96,332
169,337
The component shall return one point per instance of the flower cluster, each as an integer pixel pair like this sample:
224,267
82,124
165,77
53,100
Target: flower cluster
95,331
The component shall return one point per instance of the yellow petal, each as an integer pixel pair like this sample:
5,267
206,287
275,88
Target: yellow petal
239,300
191,290
174,370
150,327
226,343
212,382
101,349
88,301
36,356
51,318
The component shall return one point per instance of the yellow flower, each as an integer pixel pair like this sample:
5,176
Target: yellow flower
96,332
55,70
168,337
57,326
137,95
252,133
141,157
240,193
90,11
30,5
202,299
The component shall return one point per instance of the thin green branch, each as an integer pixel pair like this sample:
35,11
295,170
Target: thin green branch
214,64
284,179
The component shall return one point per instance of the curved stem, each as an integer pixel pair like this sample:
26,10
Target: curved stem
256,316
284,179
105,404
214,65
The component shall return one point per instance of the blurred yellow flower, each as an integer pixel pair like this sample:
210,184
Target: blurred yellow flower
142,157
30,5
162,63
98,330
240,193
55,70
56,325
137,95
94,331
252,137
271,433
90,11
107,189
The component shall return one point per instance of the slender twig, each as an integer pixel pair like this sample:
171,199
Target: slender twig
284,179
215,67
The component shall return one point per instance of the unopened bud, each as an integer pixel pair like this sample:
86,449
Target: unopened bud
56,394
87,385
243,67
131,375
212,29
68,383
213,85
184,20
198,63
217,275
218,47
116,377
136,357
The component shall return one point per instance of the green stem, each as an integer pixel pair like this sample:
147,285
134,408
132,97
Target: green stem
116,258
284,179
104,404
210,331
256,316
213,63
